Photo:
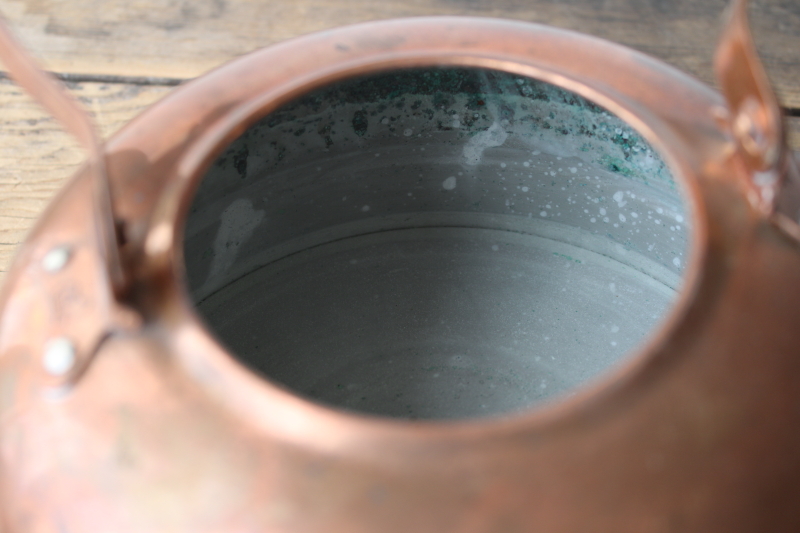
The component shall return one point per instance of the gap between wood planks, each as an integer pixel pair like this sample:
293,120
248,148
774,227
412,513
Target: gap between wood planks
111,78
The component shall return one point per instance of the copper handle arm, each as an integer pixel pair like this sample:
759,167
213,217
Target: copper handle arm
755,123
50,94
88,269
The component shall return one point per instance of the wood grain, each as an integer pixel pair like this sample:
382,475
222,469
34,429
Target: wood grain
184,38
793,130
36,156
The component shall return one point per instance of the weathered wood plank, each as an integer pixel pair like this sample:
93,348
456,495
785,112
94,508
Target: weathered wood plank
793,128
184,38
36,156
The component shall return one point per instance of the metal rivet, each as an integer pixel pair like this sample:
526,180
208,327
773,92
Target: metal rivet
59,356
56,259
159,240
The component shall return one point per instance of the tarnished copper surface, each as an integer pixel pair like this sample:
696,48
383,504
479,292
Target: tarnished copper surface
162,430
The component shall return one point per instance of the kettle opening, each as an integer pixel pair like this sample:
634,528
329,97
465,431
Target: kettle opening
436,243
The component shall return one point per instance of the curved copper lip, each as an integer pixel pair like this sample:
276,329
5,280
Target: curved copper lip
600,393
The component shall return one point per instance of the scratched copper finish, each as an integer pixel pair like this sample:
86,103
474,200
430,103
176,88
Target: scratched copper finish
156,428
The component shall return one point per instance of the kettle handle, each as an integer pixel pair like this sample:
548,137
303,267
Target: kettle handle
91,268
50,94
754,121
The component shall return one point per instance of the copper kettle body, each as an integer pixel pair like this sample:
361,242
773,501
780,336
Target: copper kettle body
120,410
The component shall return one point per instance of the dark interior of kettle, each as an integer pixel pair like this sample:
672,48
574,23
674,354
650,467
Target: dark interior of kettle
436,243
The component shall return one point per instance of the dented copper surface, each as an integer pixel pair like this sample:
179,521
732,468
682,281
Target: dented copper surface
120,412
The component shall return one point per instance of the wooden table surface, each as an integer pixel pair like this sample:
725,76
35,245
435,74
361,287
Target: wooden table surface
120,56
